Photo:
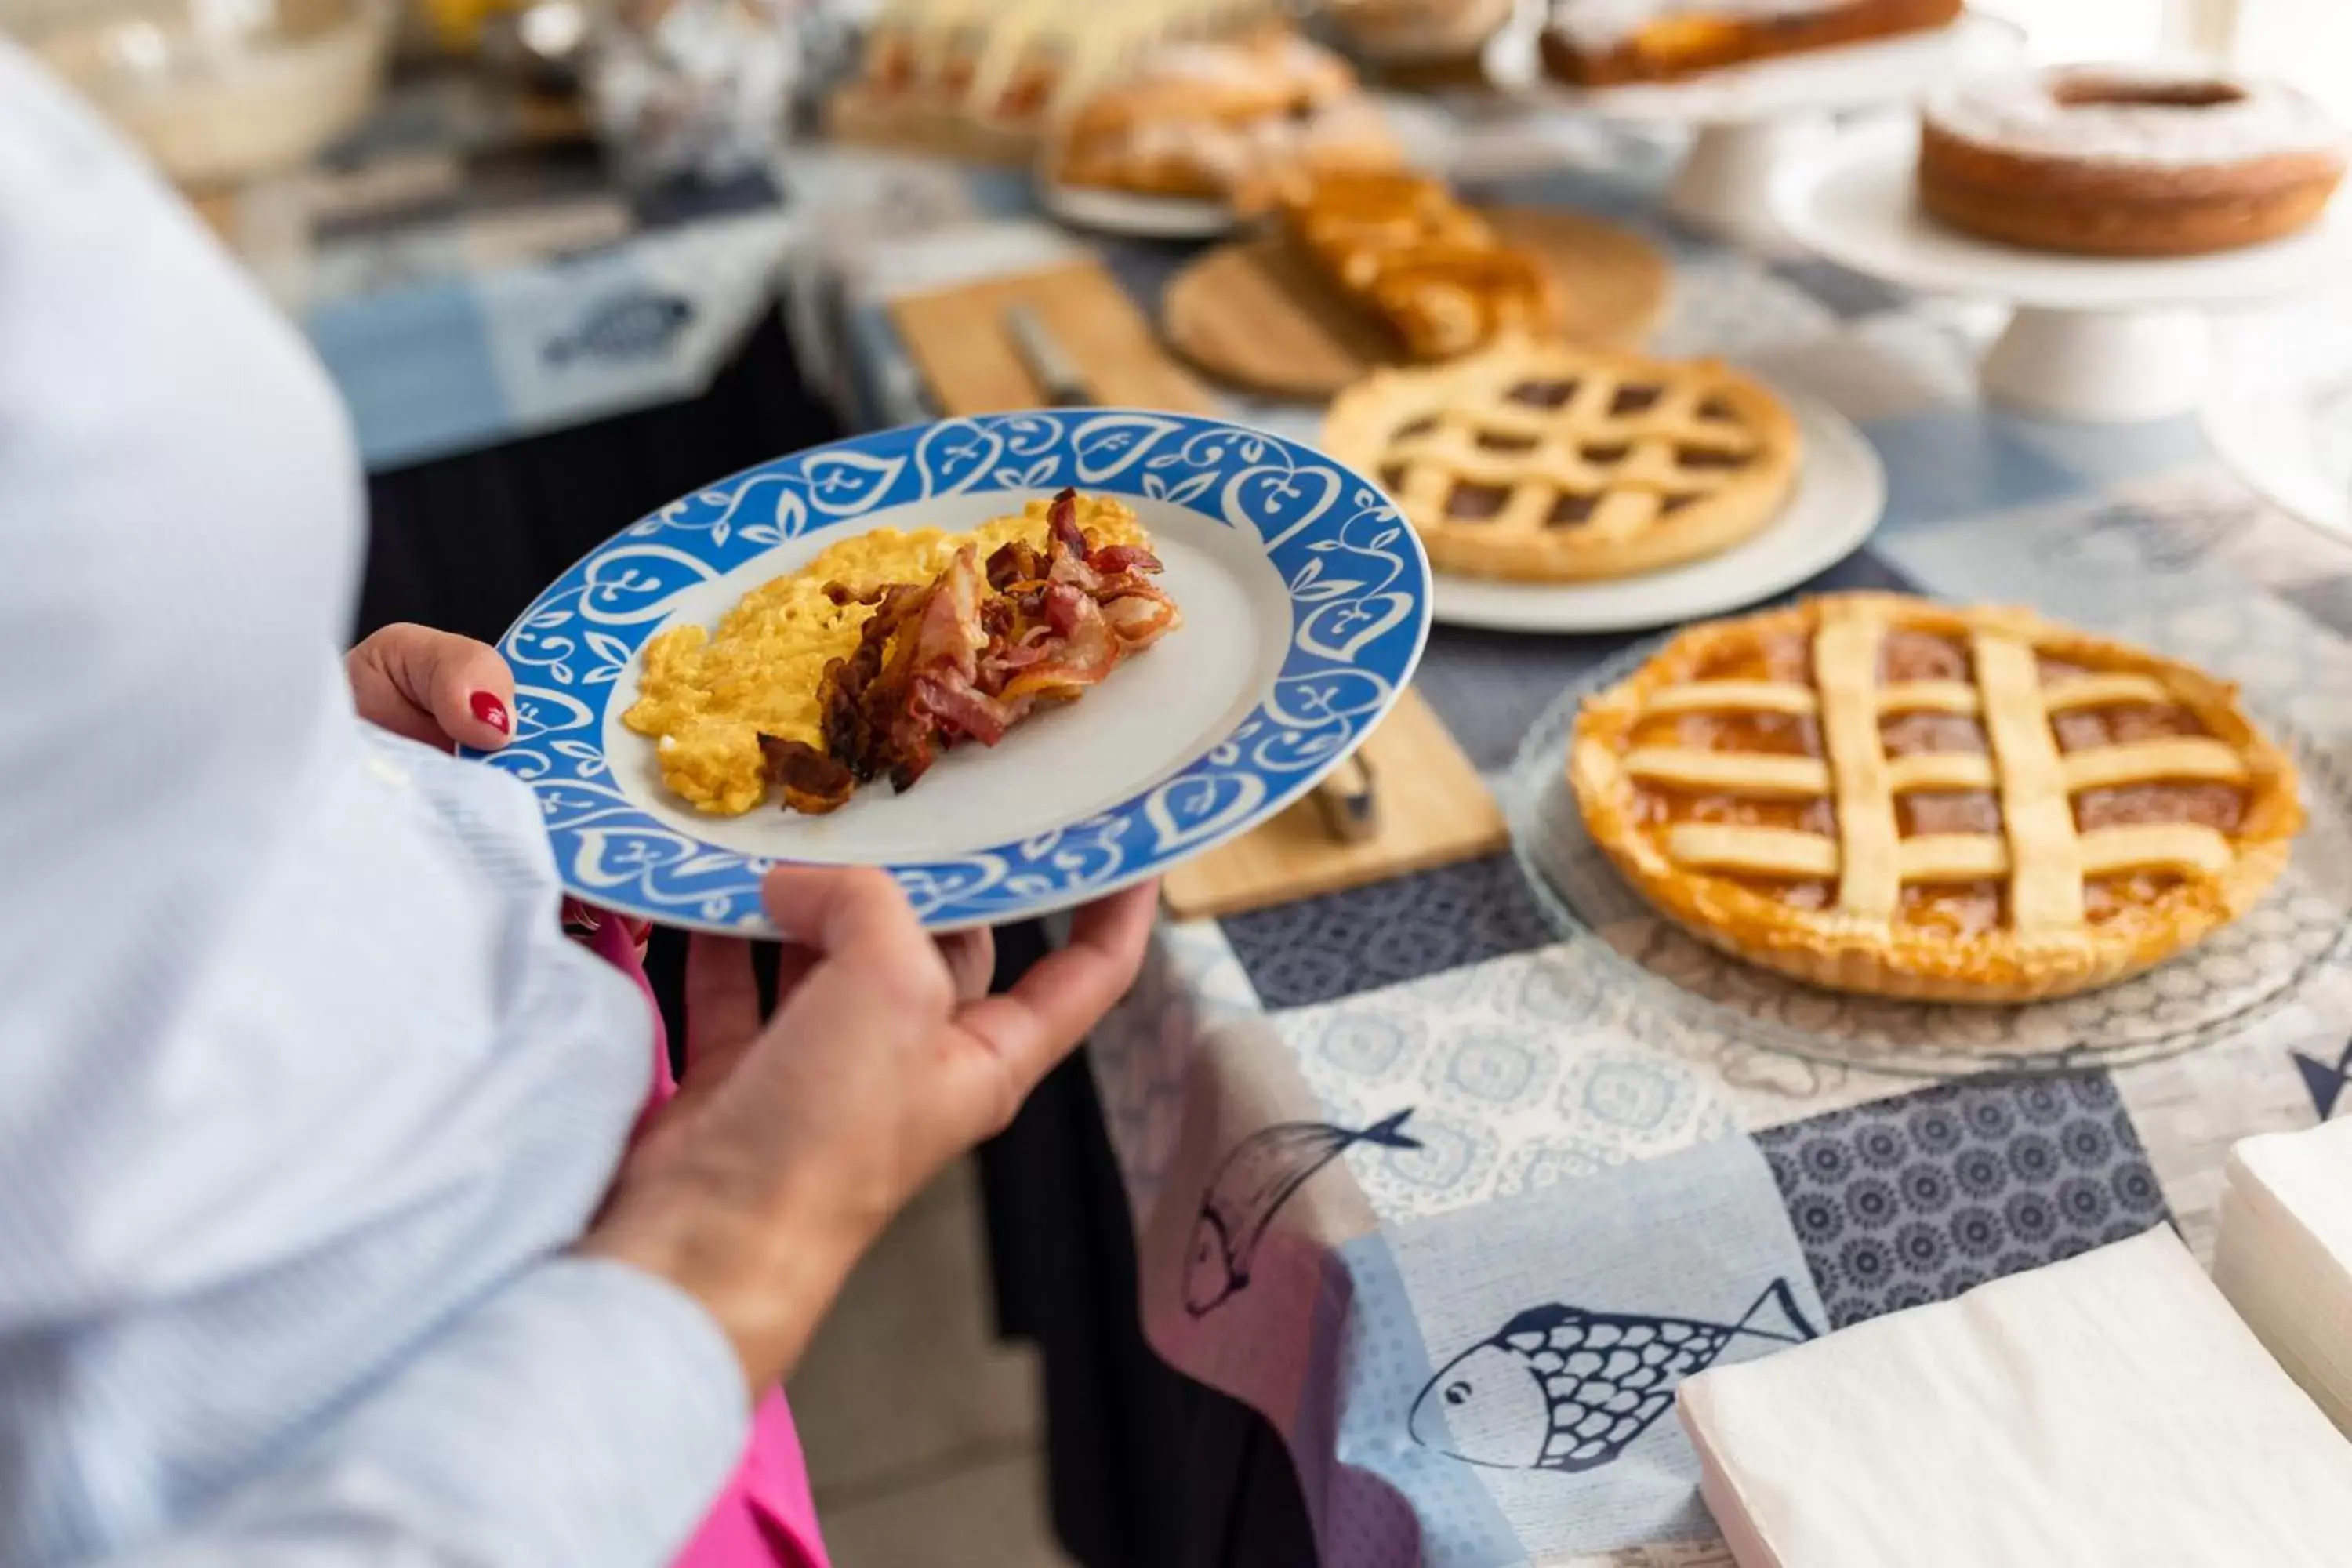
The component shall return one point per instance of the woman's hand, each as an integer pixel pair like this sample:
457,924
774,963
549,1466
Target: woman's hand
435,687
448,691
791,1143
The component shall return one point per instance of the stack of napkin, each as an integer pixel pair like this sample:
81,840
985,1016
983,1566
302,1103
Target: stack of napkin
2106,1412
2285,1258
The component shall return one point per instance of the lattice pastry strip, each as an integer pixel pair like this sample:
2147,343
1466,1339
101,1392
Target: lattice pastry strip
1543,461
2175,758
2162,815
2043,858
1945,857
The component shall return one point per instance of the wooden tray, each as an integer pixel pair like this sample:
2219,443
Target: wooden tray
1253,313
1434,809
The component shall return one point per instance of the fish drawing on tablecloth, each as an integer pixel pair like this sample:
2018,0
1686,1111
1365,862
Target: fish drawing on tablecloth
1251,1186
2325,1081
1560,1388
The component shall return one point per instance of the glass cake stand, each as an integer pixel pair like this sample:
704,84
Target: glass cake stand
2217,989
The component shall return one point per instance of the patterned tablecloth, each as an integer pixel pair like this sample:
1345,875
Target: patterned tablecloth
1453,1203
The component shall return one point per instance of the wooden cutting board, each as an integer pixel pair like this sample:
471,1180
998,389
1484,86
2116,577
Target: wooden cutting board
957,339
1434,808
1251,312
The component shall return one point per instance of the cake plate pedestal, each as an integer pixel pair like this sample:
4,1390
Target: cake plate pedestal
2091,338
1753,122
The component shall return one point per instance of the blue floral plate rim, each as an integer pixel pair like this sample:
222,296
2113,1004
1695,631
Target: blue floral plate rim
1352,569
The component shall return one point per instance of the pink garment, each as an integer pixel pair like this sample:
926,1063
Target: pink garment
765,1517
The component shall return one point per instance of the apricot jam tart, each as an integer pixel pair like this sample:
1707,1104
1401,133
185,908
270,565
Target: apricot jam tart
1878,794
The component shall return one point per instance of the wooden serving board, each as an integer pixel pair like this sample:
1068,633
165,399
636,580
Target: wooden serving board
957,339
1434,807
1254,313
1435,810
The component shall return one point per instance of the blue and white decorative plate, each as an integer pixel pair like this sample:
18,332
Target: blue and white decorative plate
1306,601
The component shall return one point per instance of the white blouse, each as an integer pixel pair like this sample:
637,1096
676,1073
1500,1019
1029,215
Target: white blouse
302,1092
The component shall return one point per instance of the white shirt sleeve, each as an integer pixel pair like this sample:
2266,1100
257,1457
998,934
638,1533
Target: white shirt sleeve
307,1094
582,1415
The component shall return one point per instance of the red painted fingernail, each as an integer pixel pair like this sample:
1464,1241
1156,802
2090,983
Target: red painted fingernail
490,711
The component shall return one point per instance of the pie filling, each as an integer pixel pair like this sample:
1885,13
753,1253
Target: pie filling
1931,715
1475,502
1543,393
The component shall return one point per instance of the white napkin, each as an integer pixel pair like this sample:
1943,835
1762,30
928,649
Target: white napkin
2106,1412
2285,1257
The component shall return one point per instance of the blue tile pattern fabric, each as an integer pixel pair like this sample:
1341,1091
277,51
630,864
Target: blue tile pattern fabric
1915,1199
1952,464
1500,1156
1318,949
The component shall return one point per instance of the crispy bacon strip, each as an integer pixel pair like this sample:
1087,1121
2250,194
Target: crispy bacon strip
970,653
1114,560
1141,619
1012,563
812,782
1062,524
1089,651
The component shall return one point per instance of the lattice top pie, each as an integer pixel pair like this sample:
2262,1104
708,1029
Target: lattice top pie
1543,462
1878,794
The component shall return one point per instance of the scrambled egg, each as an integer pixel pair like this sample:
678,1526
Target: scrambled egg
708,696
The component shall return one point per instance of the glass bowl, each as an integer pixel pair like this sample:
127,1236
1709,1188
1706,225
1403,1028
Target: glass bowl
218,92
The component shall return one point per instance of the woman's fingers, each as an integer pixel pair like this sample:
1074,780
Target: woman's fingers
867,1079
722,1000
794,962
859,917
434,687
972,959
1036,1023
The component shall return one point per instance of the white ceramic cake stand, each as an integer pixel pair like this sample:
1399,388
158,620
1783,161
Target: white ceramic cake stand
2091,338
1754,120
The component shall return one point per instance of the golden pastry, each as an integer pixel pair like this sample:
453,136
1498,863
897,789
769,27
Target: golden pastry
1427,268
1603,43
1225,121
1878,794
1014,65
1542,462
2128,160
